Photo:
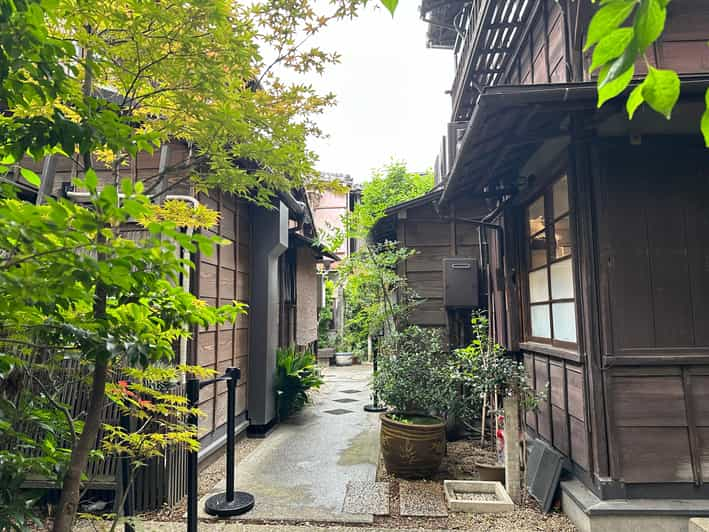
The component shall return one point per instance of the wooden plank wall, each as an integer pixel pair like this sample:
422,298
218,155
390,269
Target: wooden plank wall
682,46
434,239
541,57
223,277
561,416
654,271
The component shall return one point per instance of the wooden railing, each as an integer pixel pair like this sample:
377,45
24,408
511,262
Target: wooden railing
472,24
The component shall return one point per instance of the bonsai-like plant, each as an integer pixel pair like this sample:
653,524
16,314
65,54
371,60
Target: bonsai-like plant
415,375
487,373
296,373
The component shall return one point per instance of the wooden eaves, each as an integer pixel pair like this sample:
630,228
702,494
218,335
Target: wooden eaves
510,122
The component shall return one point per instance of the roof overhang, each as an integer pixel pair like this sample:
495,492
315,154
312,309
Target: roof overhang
440,16
297,240
509,124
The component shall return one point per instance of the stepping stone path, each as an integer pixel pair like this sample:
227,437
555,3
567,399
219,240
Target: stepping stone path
367,498
421,499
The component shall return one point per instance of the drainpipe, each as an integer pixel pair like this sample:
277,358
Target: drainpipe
295,206
483,225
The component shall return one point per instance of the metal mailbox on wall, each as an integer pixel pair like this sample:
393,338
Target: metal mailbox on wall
460,283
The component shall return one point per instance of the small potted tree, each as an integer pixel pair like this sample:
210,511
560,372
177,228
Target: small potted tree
487,374
416,382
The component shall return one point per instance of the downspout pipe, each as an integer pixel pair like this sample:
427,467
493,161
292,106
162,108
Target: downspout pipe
483,225
294,206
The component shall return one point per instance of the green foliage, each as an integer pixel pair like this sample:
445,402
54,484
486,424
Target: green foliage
215,73
390,5
485,370
388,186
414,373
296,373
620,32
377,297
326,314
76,296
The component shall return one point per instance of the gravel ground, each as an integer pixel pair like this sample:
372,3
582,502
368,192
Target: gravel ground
208,478
459,463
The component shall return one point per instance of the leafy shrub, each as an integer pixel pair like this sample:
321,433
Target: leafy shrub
485,371
296,373
414,373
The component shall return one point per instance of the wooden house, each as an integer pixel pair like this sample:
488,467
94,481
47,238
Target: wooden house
598,232
269,264
434,236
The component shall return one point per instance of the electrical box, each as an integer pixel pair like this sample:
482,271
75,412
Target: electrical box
460,283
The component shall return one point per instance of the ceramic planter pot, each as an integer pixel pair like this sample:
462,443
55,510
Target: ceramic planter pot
491,472
343,359
325,355
413,450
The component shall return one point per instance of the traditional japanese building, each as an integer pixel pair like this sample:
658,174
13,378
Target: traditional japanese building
597,262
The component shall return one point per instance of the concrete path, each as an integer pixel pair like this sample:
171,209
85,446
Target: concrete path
301,471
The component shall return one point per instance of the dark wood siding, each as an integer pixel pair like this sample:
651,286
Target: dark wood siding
433,238
542,52
560,418
224,277
654,251
654,269
682,47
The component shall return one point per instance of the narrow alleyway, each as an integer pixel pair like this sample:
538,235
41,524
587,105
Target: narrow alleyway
302,471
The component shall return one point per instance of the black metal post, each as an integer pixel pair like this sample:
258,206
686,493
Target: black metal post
234,375
230,502
375,406
193,400
128,505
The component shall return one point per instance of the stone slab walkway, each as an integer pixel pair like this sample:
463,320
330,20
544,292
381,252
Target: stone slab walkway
300,472
245,527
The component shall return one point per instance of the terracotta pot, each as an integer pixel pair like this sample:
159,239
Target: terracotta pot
491,472
412,450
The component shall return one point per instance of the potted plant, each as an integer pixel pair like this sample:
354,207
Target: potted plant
487,374
414,379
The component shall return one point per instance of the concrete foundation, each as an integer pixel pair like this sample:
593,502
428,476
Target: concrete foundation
591,514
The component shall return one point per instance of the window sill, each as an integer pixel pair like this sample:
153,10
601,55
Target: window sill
552,351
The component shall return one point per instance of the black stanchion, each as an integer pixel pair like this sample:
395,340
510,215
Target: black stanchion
230,502
193,400
375,406
128,501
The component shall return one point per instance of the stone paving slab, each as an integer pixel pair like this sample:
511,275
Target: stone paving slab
421,499
367,498
244,527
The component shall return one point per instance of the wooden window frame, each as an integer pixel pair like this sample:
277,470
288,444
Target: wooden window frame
550,221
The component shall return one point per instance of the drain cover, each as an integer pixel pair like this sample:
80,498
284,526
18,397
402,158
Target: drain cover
345,400
338,411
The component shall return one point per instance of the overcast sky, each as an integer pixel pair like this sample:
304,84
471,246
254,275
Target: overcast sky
391,93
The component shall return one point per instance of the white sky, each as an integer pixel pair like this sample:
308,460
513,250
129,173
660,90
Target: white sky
390,90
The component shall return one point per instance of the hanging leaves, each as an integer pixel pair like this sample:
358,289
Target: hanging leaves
620,32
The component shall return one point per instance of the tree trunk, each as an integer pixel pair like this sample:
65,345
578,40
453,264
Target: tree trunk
69,501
